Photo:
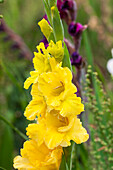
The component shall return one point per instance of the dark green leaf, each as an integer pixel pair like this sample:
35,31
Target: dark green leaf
6,148
66,60
63,165
68,155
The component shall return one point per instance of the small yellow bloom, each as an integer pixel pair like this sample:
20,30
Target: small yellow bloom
38,157
56,130
56,50
45,28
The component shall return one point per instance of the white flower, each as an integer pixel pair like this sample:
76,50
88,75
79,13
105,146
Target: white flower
110,64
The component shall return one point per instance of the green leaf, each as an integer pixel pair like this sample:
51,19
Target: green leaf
68,155
66,60
52,2
51,37
57,25
1,168
6,148
63,165
90,62
48,11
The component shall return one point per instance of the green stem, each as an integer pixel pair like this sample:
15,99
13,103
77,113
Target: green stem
14,128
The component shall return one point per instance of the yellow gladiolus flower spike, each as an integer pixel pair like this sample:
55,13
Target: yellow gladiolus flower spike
38,157
45,28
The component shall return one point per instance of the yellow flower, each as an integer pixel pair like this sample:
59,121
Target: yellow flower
56,130
41,64
56,50
41,59
44,61
45,28
58,90
38,157
56,85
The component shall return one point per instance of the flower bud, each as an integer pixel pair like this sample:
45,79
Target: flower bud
76,59
67,9
76,29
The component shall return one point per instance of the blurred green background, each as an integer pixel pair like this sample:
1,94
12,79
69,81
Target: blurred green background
22,17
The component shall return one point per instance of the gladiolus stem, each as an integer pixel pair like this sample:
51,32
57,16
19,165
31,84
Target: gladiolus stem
14,128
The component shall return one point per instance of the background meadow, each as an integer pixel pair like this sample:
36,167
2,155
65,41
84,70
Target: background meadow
17,44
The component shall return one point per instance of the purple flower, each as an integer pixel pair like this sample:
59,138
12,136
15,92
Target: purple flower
59,4
75,28
76,59
67,4
67,9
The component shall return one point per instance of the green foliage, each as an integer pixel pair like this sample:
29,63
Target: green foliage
6,148
100,125
57,25
48,10
66,60
52,2
1,1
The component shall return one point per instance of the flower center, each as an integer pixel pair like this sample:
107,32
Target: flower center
58,90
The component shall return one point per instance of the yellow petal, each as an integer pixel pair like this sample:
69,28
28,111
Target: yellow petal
32,79
41,62
71,106
36,132
56,50
45,28
37,107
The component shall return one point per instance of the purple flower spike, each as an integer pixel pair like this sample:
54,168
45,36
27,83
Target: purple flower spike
76,28
76,59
